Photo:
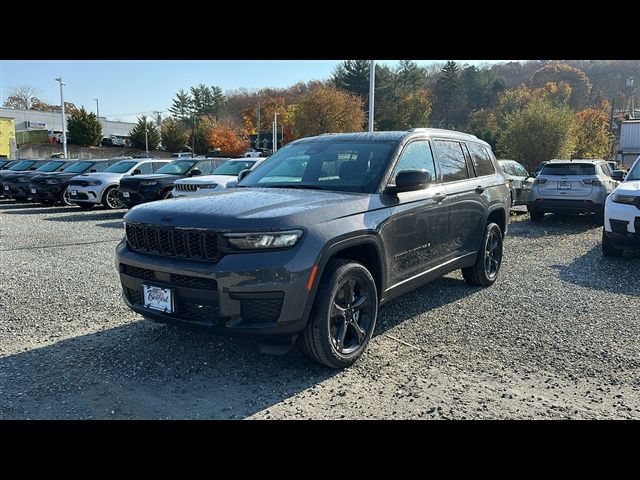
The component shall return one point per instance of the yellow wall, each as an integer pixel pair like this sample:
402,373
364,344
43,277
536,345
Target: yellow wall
7,132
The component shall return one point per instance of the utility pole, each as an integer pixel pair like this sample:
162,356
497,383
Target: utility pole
275,133
258,129
64,127
146,137
372,91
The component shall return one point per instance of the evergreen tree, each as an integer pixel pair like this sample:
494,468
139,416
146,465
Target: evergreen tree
84,128
138,134
182,106
447,105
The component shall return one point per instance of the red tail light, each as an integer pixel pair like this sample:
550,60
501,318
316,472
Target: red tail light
540,181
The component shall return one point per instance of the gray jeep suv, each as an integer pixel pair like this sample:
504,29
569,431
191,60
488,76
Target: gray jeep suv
310,243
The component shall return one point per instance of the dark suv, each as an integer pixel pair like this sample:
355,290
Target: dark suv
16,186
138,189
311,242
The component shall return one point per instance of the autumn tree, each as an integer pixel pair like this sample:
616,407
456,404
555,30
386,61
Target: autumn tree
593,139
173,135
540,131
21,97
84,128
328,109
41,106
138,134
574,77
231,141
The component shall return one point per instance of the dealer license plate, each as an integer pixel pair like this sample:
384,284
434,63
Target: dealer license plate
564,185
6,187
33,190
158,298
125,194
74,193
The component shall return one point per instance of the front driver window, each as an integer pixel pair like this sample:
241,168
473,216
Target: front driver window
416,156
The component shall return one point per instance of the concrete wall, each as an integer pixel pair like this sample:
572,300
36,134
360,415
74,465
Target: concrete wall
45,151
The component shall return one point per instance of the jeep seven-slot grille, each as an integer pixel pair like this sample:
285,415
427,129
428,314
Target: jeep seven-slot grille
173,242
186,187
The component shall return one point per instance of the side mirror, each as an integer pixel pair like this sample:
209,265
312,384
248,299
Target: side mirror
136,172
410,180
618,175
532,175
195,172
243,173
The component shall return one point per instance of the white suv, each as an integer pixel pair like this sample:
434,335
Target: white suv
225,176
622,216
90,189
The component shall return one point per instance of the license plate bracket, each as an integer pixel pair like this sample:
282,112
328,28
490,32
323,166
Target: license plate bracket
158,298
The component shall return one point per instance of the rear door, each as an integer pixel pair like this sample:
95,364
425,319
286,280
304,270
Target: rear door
524,183
467,195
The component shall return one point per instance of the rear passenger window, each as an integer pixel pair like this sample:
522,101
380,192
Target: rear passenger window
146,168
605,169
416,156
158,165
99,167
520,170
204,167
451,159
481,160
509,169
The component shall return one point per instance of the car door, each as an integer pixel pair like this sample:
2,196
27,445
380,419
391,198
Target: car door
419,219
524,186
468,199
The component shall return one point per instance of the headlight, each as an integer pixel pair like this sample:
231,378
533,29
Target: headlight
53,181
23,180
148,183
263,240
93,183
207,185
628,199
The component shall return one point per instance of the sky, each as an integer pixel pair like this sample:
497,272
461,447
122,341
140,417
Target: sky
127,89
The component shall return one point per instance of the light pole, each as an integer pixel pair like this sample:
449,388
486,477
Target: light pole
372,91
146,138
275,133
97,109
258,130
64,128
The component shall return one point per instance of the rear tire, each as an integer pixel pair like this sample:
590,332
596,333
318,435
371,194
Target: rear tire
535,215
343,316
485,271
608,250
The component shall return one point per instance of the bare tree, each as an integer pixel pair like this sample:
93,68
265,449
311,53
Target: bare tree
21,97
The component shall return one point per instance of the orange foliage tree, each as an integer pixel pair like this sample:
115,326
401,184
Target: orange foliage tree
231,141
593,139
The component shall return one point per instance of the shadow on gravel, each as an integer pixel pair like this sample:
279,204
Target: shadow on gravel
41,209
593,270
149,371
553,224
117,225
88,216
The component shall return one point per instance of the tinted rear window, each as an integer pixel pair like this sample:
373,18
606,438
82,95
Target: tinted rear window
568,169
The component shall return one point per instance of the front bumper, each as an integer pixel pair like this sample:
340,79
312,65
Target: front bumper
16,190
250,294
45,192
91,194
136,197
622,224
566,206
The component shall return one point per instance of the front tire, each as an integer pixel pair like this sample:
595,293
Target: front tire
110,198
343,316
64,198
485,271
608,250
166,194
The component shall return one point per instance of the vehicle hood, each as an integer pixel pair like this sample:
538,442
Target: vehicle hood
631,187
154,176
6,173
204,179
252,208
102,176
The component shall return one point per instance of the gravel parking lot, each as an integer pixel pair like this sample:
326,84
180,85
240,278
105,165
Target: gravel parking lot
556,337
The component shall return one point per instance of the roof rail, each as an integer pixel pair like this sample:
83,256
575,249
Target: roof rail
442,130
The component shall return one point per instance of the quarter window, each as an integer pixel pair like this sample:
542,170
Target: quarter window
481,160
451,160
416,156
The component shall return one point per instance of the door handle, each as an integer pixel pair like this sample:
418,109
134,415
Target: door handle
480,189
439,197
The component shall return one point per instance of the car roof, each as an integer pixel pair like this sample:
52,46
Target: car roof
577,160
390,136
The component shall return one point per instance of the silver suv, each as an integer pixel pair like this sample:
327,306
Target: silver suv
571,186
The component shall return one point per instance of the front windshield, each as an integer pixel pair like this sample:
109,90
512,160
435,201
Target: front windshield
78,167
121,167
49,167
634,173
232,168
341,166
22,165
177,167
